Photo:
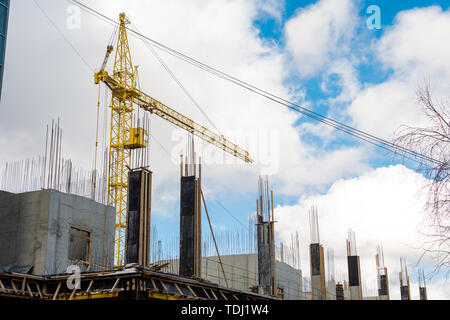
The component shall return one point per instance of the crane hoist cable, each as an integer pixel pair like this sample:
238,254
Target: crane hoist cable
174,77
63,36
125,136
105,125
359,134
94,174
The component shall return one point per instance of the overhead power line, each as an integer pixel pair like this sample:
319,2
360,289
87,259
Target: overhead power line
174,78
63,36
165,66
374,140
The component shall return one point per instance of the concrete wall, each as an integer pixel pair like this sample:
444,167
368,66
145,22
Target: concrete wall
35,230
241,271
331,290
290,279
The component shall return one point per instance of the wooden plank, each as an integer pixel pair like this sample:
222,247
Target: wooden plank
13,286
115,285
57,290
90,286
80,236
141,220
163,285
204,290
73,292
191,291
149,216
178,288
29,290
39,290
214,294
24,280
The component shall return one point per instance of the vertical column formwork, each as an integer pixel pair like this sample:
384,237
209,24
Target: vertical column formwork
266,277
316,254
137,246
422,285
190,222
354,270
423,293
383,285
382,275
405,293
265,239
318,288
340,291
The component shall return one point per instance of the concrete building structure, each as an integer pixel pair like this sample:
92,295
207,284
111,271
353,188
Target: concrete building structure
405,292
43,232
422,285
317,262
354,270
266,239
340,291
331,282
190,217
242,274
4,15
137,245
382,275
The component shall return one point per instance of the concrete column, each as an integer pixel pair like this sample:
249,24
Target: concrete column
266,239
190,227
405,293
423,293
422,285
354,278
137,247
340,291
383,287
354,271
318,289
382,275
265,257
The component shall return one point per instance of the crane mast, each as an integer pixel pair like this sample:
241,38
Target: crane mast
124,138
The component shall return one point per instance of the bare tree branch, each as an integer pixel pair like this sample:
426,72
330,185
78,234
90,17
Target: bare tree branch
433,141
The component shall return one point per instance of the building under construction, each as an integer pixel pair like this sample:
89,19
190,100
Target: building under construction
58,220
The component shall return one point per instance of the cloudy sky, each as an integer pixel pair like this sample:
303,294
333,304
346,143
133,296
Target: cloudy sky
320,54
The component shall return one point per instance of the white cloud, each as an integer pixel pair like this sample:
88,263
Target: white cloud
414,44
413,50
381,206
347,80
382,108
319,32
273,8
60,85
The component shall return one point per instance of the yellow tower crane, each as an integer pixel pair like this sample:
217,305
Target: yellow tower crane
124,138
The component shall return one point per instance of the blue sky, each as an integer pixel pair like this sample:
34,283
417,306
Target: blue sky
369,73
272,29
